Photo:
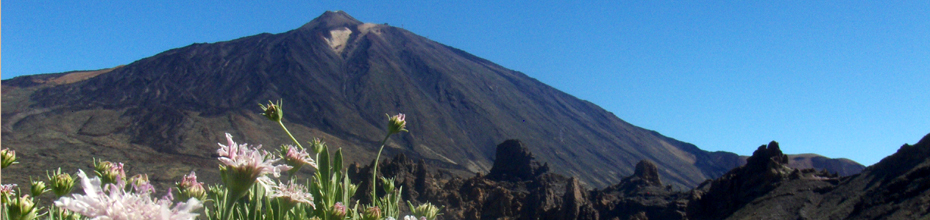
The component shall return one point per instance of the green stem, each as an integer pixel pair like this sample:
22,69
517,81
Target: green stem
229,205
289,135
374,173
231,201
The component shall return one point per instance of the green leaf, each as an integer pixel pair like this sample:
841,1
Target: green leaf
337,162
324,169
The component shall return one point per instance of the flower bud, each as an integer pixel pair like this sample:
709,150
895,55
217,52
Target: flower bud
190,188
397,123
425,211
61,183
38,188
372,213
339,211
110,173
317,145
22,208
140,184
388,184
272,111
7,158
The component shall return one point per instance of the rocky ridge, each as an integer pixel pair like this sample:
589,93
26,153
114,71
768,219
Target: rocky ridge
765,188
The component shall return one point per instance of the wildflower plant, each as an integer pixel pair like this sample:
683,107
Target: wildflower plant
241,167
250,187
110,201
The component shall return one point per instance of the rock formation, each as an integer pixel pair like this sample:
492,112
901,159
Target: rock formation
764,188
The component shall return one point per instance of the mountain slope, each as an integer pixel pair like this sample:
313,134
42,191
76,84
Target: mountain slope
338,77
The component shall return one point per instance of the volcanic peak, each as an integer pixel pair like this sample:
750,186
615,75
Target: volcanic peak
332,20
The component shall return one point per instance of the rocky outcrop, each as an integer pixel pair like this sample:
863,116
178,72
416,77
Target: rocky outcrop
764,188
514,162
840,166
640,196
518,188
765,170
897,187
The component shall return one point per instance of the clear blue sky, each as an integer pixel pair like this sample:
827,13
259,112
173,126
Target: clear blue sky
845,79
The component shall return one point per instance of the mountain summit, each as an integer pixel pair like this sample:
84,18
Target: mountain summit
332,19
338,77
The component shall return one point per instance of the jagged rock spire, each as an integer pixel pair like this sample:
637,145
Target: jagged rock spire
514,162
648,173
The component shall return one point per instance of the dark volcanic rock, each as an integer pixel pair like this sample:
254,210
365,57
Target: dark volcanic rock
527,193
765,188
640,196
514,162
766,170
647,172
897,187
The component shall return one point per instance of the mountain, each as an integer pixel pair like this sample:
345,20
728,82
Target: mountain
338,77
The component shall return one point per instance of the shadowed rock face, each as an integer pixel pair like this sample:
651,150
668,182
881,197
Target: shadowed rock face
764,170
515,163
647,172
337,77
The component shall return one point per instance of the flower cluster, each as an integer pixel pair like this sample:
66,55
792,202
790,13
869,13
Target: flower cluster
291,193
242,165
108,201
249,161
246,192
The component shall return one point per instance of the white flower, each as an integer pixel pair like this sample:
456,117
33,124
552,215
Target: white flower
297,158
251,160
117,204
292,193
410,217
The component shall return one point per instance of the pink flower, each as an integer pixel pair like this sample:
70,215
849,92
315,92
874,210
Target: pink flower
7,189
291,193
116,203
242,166
241,157
297,158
